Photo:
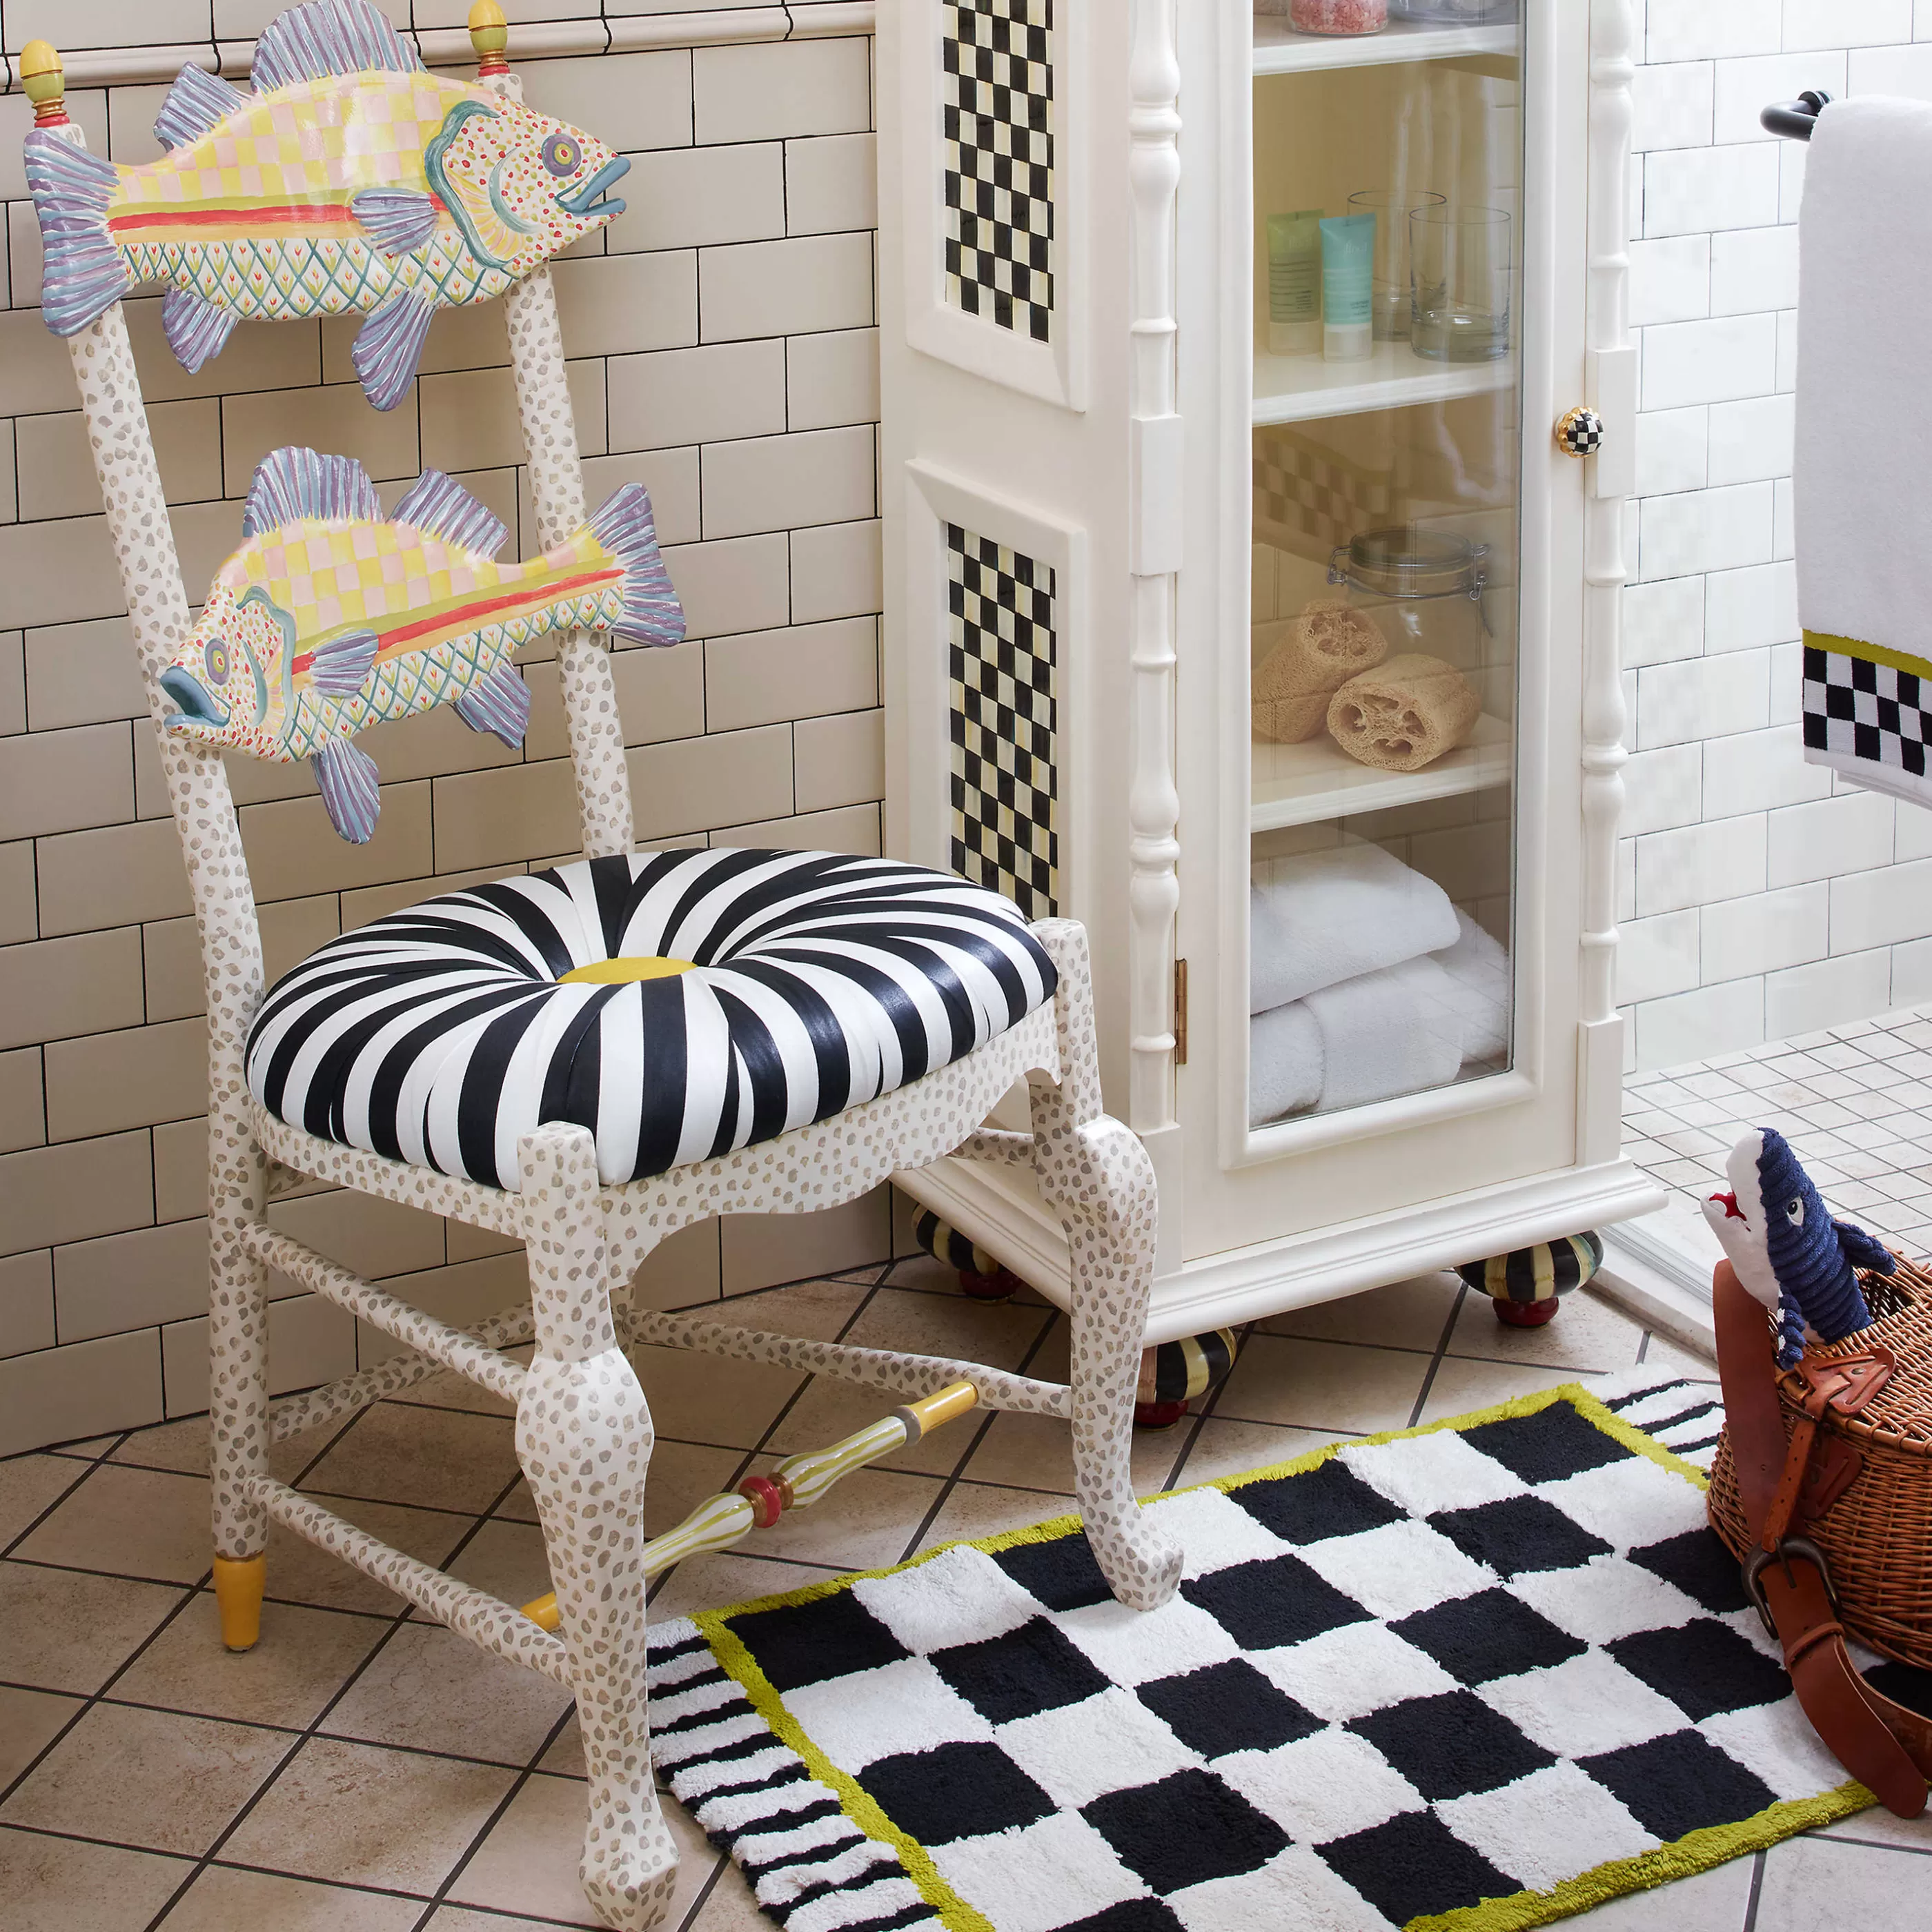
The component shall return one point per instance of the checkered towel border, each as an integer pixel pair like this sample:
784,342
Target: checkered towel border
1872,721
1497,1669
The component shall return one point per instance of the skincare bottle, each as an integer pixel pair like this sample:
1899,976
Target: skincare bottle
1294,283
1347,255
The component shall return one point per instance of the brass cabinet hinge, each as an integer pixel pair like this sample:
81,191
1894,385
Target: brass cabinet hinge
1181,1012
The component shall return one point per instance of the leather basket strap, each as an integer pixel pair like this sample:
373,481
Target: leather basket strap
1887,1747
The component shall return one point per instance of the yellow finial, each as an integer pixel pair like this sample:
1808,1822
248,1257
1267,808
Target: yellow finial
44,82
489,34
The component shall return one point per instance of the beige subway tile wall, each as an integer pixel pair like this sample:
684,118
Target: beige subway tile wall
724,354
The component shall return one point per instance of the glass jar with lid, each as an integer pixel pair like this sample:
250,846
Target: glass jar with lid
1422,588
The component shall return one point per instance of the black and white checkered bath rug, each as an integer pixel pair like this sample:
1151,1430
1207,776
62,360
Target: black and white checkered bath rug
1478,1675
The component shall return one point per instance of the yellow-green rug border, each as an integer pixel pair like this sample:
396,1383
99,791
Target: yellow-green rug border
1699,1851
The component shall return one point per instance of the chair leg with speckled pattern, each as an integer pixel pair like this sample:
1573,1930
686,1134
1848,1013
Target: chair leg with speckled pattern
238,1382
584,1438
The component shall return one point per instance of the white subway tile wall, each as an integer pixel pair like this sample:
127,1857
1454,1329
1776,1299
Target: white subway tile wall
724,334
1762,898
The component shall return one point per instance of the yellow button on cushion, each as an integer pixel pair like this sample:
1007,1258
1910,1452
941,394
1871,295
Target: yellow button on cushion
622,972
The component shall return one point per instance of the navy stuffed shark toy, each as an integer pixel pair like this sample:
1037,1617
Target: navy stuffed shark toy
1788,1251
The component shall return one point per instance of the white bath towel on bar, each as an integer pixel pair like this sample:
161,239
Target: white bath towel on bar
1863,469
1323,917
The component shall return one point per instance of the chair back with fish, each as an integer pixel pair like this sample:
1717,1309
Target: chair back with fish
158,598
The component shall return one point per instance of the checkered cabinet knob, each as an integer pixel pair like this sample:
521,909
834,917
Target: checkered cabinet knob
1579,432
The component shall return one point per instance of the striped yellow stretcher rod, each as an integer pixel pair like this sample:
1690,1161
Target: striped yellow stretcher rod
797,1483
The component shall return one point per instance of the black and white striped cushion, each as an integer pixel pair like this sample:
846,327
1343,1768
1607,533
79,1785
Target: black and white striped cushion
440,1035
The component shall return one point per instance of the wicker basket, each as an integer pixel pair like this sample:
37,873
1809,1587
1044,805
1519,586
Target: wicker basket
1878,1535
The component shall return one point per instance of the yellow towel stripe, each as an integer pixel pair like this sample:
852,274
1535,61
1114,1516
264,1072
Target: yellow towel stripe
1877,654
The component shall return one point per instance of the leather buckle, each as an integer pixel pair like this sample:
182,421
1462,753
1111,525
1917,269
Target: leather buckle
1788,1547
1847,1383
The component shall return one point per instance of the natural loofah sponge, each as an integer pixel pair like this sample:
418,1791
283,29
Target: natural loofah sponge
1318,653
1404,714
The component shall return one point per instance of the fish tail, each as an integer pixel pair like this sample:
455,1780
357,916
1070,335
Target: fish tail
84,275
651,614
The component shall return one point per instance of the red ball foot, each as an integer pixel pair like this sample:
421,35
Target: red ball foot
1525,1314
1001,1285
1158,1415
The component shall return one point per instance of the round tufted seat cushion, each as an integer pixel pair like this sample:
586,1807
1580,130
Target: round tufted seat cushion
679,1004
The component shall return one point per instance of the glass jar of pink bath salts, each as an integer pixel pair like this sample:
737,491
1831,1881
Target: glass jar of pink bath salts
1338,16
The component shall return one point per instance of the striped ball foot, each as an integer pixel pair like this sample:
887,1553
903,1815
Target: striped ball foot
1524,1286
1002,1284
1173,1374
1158,1415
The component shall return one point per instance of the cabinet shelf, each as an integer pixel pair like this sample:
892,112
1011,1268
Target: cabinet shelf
1302,785
1279,49
1300,388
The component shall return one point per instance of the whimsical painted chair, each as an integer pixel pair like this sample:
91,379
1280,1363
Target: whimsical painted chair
585,1059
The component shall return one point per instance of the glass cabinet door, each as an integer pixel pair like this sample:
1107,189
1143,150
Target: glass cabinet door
1386,452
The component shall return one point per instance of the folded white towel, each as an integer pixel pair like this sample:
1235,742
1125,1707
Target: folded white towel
1479,988
1863,459
1394,1031
1324,917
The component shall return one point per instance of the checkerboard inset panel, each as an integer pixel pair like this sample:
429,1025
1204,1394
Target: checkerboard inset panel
1428,1672
1866,710
1002,718
996,108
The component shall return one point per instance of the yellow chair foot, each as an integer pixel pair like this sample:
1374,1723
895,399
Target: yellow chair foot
543,1610
238,1584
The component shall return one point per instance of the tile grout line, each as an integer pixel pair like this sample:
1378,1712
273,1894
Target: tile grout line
1440,1355
497,1815
791,1401
313,1727
952,1482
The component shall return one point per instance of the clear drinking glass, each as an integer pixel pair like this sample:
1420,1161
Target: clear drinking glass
1459,259
1389,295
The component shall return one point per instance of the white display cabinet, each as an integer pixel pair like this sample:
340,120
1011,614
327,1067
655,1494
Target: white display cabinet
1109,507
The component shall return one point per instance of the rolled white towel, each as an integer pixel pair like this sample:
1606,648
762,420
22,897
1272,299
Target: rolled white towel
1324,917
1479,976
1284,1062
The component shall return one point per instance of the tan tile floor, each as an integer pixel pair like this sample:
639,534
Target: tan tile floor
363,1771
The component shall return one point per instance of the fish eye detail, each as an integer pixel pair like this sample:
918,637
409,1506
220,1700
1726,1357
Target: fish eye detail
215,658
562,155
1794,1211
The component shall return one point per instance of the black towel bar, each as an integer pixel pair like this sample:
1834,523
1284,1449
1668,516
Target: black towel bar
1795,119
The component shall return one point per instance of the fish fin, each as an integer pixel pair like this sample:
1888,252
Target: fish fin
346,775
398,219
295,482
329,37
440,507
651,614
338,668
82,275
500,704
388,345
197,103
197,331
1862,1249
